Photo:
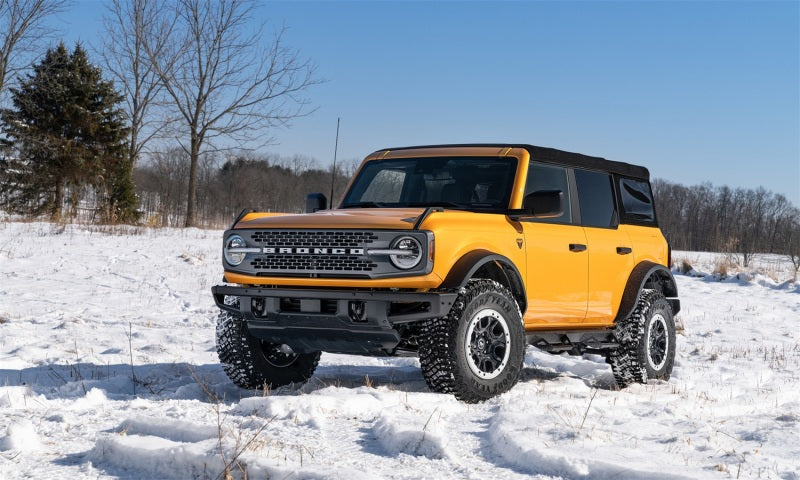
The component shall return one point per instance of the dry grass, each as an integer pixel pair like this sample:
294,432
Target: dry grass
117,230
680,326
685,267
721,268
776,267
85,222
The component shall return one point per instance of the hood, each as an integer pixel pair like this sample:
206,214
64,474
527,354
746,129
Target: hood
372,218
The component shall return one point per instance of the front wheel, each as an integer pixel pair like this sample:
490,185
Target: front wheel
476,351
252,363
646,342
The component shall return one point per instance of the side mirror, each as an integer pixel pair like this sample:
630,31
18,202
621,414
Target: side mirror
544,203
316,202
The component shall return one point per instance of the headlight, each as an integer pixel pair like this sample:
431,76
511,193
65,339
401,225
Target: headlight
412,253
233,250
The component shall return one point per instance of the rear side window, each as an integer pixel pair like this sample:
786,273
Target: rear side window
637,201
596,198
550,177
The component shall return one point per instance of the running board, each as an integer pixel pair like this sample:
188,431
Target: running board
574,342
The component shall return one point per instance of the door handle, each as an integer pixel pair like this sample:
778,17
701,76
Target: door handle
577,247
624,250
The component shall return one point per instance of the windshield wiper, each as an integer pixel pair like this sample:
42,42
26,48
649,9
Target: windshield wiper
439,204
364,205
444,204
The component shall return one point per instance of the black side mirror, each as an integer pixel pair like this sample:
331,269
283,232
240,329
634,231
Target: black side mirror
544,203
315,202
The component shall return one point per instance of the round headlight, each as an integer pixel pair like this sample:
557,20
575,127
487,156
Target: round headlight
412,258
234,258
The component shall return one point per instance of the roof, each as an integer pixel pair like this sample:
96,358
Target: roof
552,155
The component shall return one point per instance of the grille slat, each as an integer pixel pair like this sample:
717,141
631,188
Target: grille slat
313,263
330,239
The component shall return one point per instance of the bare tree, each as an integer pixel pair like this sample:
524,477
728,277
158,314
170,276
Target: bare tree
225,79
21,25
161,186
793,243
739,222
274,184
127,24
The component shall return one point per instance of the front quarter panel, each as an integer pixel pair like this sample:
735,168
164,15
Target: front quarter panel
459,233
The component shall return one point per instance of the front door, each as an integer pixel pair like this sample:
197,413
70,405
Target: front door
557,257
558,266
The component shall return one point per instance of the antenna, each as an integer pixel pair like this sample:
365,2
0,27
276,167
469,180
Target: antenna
335,150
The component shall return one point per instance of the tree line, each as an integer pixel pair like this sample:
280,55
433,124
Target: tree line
721,219
228,185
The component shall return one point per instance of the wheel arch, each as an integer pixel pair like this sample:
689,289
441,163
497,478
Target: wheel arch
648,275
486,264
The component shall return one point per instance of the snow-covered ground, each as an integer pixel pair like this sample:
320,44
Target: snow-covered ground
108,370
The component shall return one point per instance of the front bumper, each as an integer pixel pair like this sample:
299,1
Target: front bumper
341,321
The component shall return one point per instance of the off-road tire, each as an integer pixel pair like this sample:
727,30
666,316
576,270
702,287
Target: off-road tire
252,364
646,342
476,351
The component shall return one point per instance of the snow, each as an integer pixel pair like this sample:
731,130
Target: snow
108,370
22,436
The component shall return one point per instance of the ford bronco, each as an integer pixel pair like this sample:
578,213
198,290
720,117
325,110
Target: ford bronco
462,255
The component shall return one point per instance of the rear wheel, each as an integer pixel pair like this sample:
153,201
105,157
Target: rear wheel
476,351
252,363
646,342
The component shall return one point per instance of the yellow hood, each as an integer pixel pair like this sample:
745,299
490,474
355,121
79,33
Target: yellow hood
371,218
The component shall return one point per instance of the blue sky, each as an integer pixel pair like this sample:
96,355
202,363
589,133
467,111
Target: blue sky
695,91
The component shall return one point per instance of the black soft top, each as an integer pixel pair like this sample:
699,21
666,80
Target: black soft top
559,157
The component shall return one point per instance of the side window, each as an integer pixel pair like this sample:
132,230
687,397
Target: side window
596,197
550,177
637,200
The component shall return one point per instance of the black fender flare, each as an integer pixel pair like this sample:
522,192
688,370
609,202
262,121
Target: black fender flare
468,265
648,275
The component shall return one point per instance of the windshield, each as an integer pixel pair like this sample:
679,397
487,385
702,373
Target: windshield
454,182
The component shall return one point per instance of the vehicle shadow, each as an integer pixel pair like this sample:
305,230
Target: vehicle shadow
404,378
209,383
591,370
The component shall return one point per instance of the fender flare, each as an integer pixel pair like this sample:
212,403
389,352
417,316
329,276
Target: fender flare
648,275
468,265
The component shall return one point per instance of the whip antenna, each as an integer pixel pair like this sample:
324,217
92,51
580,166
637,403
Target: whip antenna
335,150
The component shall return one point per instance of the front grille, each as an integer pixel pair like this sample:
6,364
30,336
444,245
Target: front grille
311,238
326,253
311,263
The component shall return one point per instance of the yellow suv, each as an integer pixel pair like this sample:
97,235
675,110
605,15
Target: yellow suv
462,255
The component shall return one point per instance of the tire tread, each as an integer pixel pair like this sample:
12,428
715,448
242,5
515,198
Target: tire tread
246,366
439,339
627,361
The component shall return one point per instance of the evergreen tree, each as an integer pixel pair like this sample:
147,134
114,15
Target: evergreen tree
67,133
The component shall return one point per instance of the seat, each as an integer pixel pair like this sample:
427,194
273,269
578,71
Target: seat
455,193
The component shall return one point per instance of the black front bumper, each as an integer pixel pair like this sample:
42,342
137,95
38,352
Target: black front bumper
341,321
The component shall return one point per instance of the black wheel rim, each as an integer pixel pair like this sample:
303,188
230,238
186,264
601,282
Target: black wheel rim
657,342
276,355
487,343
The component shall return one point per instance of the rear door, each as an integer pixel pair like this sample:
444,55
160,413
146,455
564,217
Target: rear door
557,260
609,248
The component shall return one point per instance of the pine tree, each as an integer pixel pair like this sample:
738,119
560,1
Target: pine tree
67,133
